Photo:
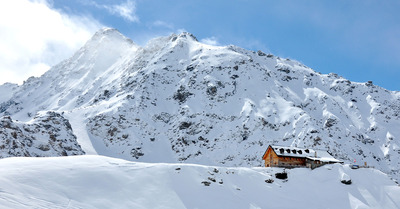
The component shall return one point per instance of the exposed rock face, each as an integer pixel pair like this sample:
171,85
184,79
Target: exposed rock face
178,100
47,135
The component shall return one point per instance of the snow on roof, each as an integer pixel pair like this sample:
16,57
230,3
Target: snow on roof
311,154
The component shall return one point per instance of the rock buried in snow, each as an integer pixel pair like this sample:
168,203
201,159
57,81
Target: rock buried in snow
348,182
345,179
269,181
282,175
206,183
212,179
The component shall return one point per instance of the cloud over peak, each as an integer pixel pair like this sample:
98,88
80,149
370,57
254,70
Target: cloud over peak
126,10
35,36
210,41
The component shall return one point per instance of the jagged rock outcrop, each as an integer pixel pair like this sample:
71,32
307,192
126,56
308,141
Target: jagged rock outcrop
48,134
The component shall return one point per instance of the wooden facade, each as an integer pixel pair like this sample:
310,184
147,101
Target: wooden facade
271,159
289,157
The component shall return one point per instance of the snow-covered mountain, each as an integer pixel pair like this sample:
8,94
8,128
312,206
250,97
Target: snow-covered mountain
101,182
179,100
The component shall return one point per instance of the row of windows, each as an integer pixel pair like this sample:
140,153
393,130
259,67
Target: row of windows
289,158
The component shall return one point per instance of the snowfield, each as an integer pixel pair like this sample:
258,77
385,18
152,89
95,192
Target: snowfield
94,181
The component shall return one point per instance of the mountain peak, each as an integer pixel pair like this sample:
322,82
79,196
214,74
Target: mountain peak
107,31
107,43
110,34
188,35
183,35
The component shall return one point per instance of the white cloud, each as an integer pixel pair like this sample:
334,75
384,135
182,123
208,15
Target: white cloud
126,10
181,30
34,37
162,24
210,41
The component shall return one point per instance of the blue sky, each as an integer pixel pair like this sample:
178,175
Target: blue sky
358,39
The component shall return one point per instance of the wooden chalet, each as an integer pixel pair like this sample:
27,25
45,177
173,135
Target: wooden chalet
292,157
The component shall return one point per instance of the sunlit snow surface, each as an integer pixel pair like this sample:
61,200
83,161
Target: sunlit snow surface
178,100
103,182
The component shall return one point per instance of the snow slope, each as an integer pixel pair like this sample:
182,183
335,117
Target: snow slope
103,182
6,91
178,100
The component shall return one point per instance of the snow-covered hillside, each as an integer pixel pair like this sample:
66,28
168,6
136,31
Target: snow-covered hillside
178,100
102,182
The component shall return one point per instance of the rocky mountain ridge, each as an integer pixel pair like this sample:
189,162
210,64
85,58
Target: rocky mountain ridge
46,135
179,100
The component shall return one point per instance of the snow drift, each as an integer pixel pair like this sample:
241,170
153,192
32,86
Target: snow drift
103,182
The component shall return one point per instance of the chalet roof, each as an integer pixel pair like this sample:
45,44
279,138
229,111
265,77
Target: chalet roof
311,154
